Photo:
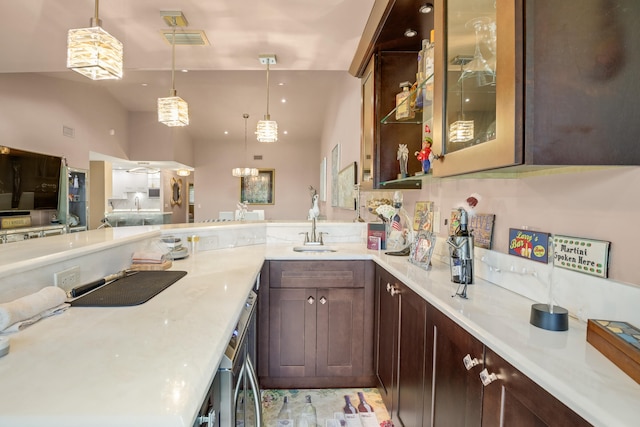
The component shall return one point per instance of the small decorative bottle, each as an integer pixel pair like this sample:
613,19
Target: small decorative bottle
403,106
285,418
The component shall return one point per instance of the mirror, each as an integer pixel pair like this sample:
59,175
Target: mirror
176,192
471,73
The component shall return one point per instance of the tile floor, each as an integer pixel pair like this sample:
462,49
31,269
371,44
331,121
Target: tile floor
329,404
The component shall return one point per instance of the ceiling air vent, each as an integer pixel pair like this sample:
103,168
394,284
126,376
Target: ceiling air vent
257,157
186,37
68,131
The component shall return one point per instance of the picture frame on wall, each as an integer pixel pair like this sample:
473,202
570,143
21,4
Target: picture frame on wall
347,179
259,190
323,180
335,170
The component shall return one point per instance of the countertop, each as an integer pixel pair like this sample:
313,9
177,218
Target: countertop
152,364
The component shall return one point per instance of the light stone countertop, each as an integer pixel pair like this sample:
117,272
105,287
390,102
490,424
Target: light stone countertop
152,364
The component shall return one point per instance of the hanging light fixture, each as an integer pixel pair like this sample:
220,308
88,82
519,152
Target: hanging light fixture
93,52
173,110
267,129
244,172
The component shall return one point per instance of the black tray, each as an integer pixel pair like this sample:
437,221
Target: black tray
131,290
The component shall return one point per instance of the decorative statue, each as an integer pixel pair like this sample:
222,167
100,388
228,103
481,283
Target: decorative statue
314,212
403,156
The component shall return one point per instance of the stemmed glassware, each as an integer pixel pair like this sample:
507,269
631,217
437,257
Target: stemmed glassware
478,67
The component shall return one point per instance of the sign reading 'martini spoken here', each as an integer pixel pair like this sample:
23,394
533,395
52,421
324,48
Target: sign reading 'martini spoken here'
583,255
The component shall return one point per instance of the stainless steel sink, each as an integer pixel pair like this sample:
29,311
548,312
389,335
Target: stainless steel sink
314,248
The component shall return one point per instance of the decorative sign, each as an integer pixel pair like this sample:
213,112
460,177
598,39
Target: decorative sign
529,244
583,255
423,216
482,227
15,221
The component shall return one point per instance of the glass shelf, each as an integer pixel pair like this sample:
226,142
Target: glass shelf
388,118
408,183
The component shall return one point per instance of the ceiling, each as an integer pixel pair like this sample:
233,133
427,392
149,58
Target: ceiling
314,42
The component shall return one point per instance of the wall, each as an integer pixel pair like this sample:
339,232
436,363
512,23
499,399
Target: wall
151,140
295,163
34,109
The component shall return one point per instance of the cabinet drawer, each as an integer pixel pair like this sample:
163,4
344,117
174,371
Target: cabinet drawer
317,274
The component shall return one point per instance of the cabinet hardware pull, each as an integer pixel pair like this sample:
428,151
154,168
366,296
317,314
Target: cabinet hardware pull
394,291
487,378
388,287
469,362
323,300
311,300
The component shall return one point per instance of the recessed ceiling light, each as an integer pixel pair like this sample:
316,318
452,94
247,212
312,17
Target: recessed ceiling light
426,8
286,132
226,132
185,71
410,33
283,100
145,84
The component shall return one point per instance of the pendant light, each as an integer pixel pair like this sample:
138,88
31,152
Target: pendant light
244,172
173,110
267,130
93,52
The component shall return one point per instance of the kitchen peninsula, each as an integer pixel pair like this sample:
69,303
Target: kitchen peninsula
151,365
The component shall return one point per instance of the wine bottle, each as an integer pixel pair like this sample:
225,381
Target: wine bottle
308,417
348,407
285,418
363,406
367,414
350,413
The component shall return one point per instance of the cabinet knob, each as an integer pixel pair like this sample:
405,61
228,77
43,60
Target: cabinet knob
487,378
394,291
323,300
470,362
207,420
388,287
311,300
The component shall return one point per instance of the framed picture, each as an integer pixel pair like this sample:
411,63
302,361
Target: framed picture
347,179
422,249
259,190
335,169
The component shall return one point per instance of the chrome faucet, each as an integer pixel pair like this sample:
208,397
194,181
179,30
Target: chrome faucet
314,212
136,202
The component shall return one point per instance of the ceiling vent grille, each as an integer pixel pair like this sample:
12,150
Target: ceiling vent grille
257,157
186,37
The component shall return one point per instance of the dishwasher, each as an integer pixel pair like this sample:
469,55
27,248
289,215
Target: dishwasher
234,398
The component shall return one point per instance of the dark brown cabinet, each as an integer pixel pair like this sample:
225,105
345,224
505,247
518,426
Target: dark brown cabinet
318,322
513,399
431,372
456,393
401,348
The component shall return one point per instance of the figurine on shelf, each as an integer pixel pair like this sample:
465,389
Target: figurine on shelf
403,156
425,154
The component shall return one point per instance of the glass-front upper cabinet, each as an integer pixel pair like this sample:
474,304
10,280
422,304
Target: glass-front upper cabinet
474,102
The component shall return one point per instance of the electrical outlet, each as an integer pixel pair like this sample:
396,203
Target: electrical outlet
66,279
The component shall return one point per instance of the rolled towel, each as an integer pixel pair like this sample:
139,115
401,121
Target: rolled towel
148,258
31,305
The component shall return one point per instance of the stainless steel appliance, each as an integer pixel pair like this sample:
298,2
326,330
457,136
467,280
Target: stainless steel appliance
234,396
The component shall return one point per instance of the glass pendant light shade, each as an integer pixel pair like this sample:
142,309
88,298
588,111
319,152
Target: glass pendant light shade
461,131
244,172
93,52
267,130
173,111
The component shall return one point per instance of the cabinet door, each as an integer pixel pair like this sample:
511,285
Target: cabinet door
456,392
292,332
412,349
514,399
339,332
386,336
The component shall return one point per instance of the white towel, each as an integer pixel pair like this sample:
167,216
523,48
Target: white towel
31,306
148,258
